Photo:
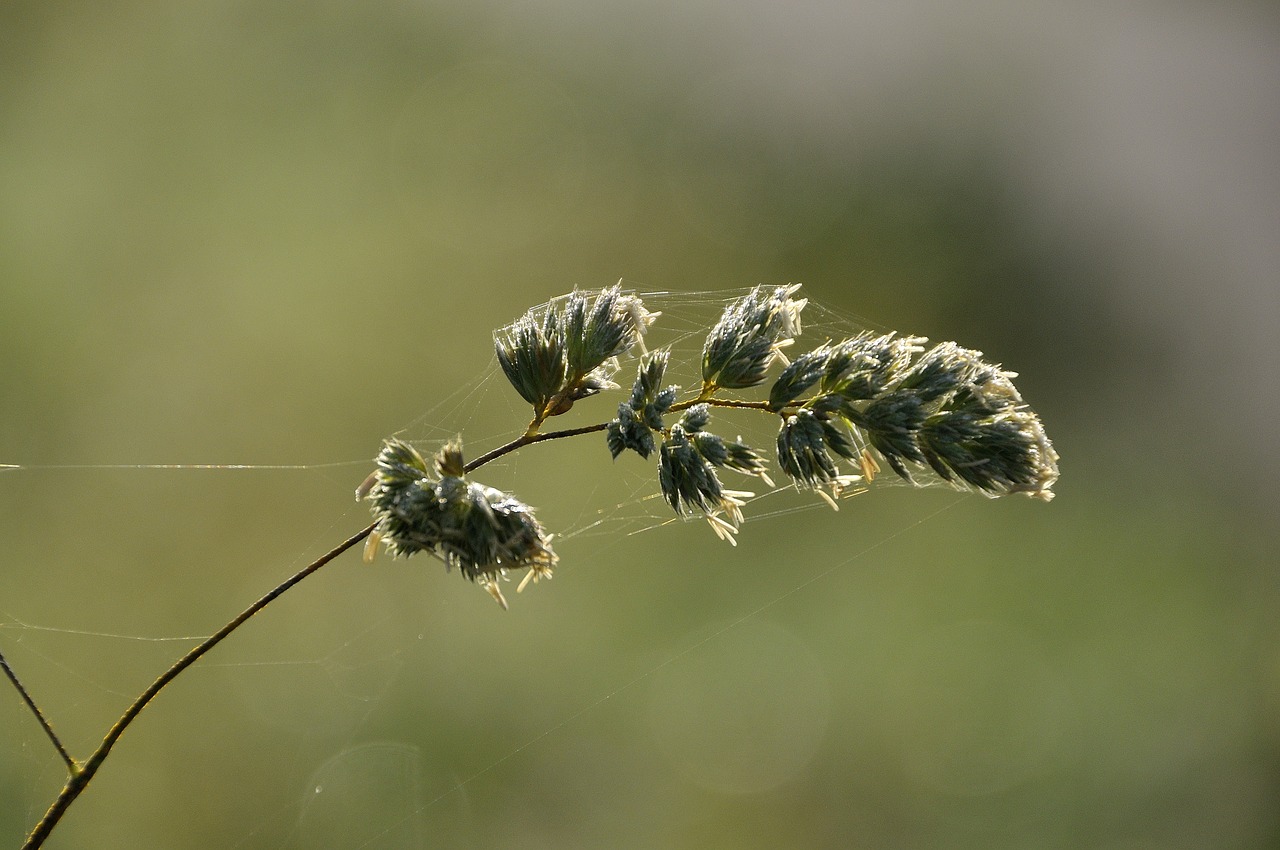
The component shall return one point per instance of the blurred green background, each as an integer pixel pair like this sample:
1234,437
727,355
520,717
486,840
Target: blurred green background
273,233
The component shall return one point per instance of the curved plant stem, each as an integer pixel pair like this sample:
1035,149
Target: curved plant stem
527,439
82,774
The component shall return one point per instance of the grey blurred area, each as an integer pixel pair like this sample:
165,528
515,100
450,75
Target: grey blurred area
273,233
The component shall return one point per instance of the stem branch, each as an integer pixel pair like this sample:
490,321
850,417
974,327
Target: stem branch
726,402
531,436
528,439
72,767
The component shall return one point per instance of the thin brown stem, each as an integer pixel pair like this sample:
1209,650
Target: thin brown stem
81,776
531,436
528,439
726,402
72,767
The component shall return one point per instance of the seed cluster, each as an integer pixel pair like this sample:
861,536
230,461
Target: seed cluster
560,355
481,531
947,409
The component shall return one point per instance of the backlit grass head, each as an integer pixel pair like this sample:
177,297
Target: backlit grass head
844,408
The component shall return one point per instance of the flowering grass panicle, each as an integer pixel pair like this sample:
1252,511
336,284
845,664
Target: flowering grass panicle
843,407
